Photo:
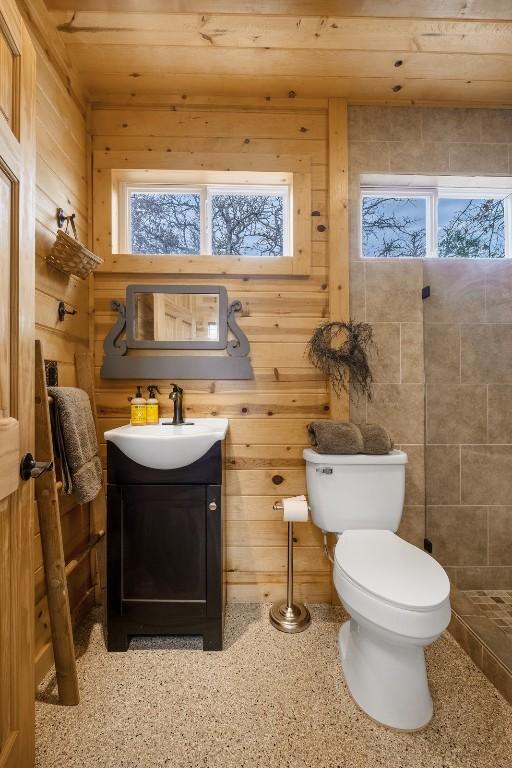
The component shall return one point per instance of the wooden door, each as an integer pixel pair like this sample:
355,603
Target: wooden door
17,182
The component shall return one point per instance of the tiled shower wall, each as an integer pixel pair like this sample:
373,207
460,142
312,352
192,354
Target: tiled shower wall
443,371
468,370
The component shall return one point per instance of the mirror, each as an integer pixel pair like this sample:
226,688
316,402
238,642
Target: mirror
176,316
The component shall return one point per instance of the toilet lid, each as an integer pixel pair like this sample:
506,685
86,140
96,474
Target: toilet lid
392,569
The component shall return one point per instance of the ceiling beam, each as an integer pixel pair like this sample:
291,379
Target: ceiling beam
357,90
293,32
491,10
146,61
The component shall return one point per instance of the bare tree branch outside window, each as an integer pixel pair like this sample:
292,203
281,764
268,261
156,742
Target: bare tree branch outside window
165,222
247,225
240,224
394,226
466,228
471,228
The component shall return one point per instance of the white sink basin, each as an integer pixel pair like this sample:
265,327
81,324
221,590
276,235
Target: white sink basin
164,446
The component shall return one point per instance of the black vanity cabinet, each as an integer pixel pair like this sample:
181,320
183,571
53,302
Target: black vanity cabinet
164,550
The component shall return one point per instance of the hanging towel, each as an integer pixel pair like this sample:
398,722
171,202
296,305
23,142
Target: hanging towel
376,439
335,437
75,436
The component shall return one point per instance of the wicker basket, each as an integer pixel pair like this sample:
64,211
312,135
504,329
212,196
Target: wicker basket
70,256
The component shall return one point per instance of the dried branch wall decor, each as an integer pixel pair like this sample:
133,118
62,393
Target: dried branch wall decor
340,351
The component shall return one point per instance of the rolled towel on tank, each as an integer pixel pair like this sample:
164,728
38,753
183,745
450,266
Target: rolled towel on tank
333,437
376,439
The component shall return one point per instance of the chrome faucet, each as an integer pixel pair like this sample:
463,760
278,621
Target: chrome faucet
176,395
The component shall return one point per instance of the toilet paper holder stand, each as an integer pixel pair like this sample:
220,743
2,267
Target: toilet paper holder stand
290,615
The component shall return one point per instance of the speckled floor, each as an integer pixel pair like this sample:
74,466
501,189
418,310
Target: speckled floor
268,700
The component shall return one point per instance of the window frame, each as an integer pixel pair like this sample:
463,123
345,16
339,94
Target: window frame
432,196
206,190
109,167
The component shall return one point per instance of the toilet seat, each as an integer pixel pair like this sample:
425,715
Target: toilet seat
391,570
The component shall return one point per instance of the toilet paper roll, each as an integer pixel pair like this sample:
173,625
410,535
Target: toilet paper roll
295,509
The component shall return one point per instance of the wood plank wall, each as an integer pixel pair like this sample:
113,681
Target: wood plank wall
268,416
62,158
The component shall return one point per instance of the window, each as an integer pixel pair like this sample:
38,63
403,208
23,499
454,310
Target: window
471,227
212,331
413,220
206,219
394,226
164,221
248,222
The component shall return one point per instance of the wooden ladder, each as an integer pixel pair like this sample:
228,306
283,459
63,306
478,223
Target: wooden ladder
56,569
85,380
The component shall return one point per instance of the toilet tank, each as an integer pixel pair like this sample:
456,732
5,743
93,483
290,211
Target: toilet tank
357,491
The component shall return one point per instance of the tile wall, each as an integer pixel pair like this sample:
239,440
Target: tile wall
468,370
443,371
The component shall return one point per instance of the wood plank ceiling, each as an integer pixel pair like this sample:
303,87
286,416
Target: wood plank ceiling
403,51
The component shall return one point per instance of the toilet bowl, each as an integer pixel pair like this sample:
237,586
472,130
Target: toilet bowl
398,600
396,595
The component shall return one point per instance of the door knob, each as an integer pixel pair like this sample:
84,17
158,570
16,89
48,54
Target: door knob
29,467
212,506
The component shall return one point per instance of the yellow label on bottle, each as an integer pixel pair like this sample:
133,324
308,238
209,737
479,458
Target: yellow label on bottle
152,413
138,414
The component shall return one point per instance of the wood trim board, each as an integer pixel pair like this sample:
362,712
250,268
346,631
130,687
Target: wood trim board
105,218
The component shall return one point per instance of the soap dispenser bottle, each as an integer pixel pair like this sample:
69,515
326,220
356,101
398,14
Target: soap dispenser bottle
152,405
138,409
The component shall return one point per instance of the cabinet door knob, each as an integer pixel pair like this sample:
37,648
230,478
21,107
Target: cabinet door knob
212,506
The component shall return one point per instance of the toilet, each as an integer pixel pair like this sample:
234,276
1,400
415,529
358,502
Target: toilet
397,596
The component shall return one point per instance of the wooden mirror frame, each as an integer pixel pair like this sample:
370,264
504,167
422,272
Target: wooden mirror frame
118,363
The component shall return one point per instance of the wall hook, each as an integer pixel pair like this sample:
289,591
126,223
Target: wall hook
62,219
63,311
